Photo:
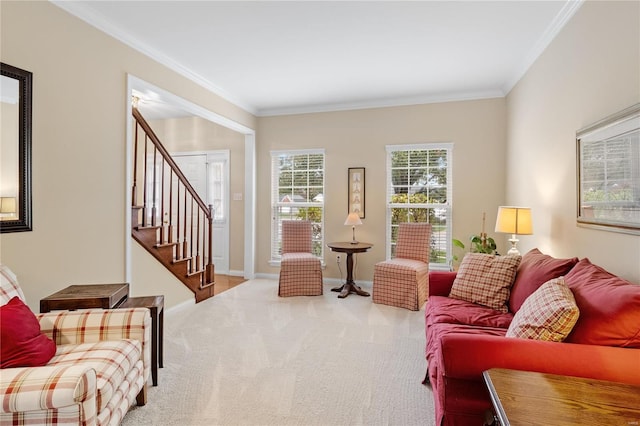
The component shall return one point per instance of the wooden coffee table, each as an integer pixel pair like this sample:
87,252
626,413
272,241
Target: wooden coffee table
86,296
525,397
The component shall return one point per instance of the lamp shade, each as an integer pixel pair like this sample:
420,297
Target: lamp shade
514,220
353,219
7,204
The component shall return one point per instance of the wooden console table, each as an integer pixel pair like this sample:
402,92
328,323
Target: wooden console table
349,248
525,397
86,296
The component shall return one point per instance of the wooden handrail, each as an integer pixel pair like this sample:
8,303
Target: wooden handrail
167,157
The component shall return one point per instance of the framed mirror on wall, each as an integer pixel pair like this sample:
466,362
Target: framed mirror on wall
609,173
15,149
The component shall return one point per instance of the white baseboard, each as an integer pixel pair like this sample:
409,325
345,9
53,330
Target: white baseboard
267,276
182,305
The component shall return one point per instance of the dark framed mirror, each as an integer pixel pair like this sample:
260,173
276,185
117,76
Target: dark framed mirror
15,149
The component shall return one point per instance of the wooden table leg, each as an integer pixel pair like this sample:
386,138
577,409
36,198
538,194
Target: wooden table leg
155,304
349,286
161,338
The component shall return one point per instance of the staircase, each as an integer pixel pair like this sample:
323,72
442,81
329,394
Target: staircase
168,218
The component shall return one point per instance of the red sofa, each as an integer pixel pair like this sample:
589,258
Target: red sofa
464,339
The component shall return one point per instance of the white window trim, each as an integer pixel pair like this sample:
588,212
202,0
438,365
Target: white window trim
273,261
449,226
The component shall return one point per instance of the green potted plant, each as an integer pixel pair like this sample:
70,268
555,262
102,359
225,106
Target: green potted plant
478,244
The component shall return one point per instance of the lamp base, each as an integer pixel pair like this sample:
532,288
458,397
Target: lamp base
353,240
513,251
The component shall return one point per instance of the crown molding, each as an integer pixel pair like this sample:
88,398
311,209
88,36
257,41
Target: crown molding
85,14
381,103
550,33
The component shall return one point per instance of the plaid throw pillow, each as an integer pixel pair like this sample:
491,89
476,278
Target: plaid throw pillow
548,314
485,279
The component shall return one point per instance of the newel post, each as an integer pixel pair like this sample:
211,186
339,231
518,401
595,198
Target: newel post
210,270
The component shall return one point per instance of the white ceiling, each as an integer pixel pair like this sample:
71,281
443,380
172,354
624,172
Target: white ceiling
279,57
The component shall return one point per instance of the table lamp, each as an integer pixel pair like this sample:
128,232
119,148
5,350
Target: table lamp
353,219
8,206
514,221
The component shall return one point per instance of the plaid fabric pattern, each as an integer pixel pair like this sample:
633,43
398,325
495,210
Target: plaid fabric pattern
123,398
300,270
414,241
300,275
48,395
548,314
404,281
485,279
102,362
9,286
111,360
296,236
94,325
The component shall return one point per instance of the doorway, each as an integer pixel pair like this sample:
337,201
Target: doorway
208,173
246,192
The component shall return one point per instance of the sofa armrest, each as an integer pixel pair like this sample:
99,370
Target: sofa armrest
440,282
41,388
94,325
569,359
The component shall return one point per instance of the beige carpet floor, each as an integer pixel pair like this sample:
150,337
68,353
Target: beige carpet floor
248,357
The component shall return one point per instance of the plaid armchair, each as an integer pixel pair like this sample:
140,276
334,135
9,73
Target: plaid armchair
404,280
300,270
101,365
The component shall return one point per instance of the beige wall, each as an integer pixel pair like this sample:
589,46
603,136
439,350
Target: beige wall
79,133
358,139
591,70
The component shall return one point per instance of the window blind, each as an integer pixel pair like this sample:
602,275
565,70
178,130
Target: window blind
297,192
419,189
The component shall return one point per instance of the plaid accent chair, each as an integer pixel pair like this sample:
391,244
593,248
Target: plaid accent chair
100,368
300,270
404,280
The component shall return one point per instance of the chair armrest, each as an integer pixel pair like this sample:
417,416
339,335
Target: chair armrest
94,325
440,282
41,388
569,359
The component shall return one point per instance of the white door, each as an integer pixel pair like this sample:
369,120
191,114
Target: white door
208,173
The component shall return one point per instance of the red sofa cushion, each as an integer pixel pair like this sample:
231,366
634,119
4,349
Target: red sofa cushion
609,307
23,345
440,282
536,268
453,311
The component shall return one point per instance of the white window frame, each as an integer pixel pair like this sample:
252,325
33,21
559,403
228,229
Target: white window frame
276,203
448,206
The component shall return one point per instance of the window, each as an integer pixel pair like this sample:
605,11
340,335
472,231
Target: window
609,173
419,190
297,192
218,185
